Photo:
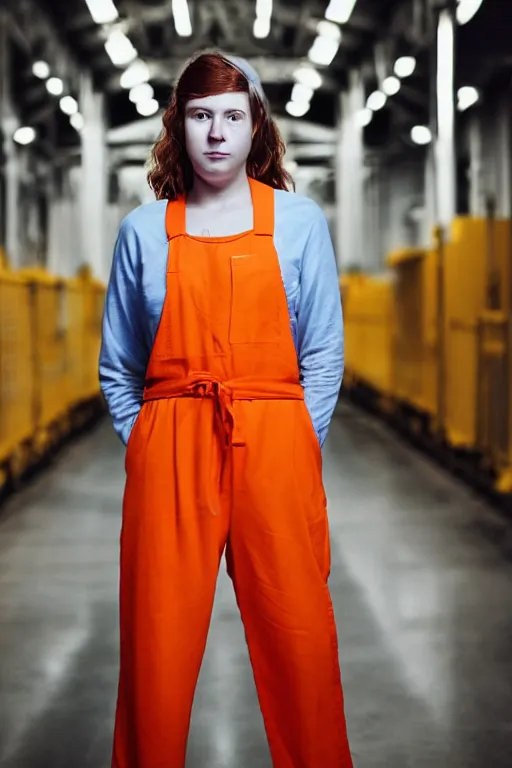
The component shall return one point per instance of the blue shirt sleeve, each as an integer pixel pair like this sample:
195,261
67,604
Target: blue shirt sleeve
124,352
320,327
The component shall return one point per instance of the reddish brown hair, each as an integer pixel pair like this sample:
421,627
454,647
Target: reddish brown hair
171,174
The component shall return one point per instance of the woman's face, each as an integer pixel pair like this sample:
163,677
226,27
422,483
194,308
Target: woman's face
218,135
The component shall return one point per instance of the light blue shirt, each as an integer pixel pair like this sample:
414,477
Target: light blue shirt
136,292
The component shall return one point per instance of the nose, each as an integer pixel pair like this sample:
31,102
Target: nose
216,129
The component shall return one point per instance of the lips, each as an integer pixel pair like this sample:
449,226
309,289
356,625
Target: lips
216,155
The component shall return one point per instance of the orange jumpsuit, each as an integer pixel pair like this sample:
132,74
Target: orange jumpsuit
223,456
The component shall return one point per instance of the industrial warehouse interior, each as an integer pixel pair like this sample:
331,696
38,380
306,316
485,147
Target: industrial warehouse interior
397,121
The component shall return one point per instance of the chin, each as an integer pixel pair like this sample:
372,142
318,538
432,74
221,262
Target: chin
219,176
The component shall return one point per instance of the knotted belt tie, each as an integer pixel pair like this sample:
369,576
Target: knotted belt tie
223,395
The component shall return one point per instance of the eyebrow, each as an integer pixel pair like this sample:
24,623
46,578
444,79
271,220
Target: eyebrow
205,109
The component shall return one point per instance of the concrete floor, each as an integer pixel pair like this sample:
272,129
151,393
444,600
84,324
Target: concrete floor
422,597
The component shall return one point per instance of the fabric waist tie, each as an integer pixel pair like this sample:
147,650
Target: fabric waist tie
224,393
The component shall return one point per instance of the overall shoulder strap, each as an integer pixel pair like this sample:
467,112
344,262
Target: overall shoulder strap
263,206
175,218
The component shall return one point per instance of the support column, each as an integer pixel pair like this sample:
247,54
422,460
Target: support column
350,178
502,154
430,217
476,191
94,182
445,120
65,251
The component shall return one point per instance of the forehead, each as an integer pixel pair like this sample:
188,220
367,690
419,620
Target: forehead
221,102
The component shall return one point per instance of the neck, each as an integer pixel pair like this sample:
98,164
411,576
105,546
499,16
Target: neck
233,194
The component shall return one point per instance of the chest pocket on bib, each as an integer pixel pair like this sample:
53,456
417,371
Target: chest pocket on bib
255,300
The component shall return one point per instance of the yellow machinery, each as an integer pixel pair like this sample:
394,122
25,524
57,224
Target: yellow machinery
17,381
369,329
494,350
449,364
49,343
416,338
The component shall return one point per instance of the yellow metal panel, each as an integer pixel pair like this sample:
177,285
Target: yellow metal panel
49,333
85,310
17,394
416,329
409,342
430,336
403,255
464,296
75,339
369,329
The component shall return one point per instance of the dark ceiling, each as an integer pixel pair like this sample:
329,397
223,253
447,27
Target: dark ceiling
399,26
226,24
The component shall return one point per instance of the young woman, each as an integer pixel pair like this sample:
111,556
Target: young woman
221,362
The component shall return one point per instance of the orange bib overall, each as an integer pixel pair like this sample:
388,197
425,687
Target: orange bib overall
223,457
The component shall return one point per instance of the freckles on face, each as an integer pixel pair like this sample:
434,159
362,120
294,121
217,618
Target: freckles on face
218,131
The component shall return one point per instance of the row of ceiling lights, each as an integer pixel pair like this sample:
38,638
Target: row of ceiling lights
326,46
467,96
307,79
122,53
55,87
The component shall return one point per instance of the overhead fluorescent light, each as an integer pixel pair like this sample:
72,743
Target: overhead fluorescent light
77,121
120,49
261,27
421,134
391,86
102,11
340,11
364,117
297,108
405,66
148,107
264,8
137,73
68,105
182,23
308,76
323,51
467,96
329,30
141,92
55,86
376,100
41,69
302,93
466,9
24,135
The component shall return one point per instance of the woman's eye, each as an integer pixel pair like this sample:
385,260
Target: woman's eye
200,115
235,117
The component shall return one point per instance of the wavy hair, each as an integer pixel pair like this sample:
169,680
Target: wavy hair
170,170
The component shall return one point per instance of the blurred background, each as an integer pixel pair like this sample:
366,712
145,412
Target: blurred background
397,118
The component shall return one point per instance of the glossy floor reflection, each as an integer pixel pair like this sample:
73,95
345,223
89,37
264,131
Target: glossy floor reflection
423,602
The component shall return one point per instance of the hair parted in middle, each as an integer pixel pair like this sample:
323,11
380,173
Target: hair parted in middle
208,74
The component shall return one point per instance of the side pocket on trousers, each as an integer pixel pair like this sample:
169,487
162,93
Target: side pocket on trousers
312,434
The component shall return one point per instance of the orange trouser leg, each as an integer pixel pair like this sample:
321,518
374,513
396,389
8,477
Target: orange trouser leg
278,558
171,547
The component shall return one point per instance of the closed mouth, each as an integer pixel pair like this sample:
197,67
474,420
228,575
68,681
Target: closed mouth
216,154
